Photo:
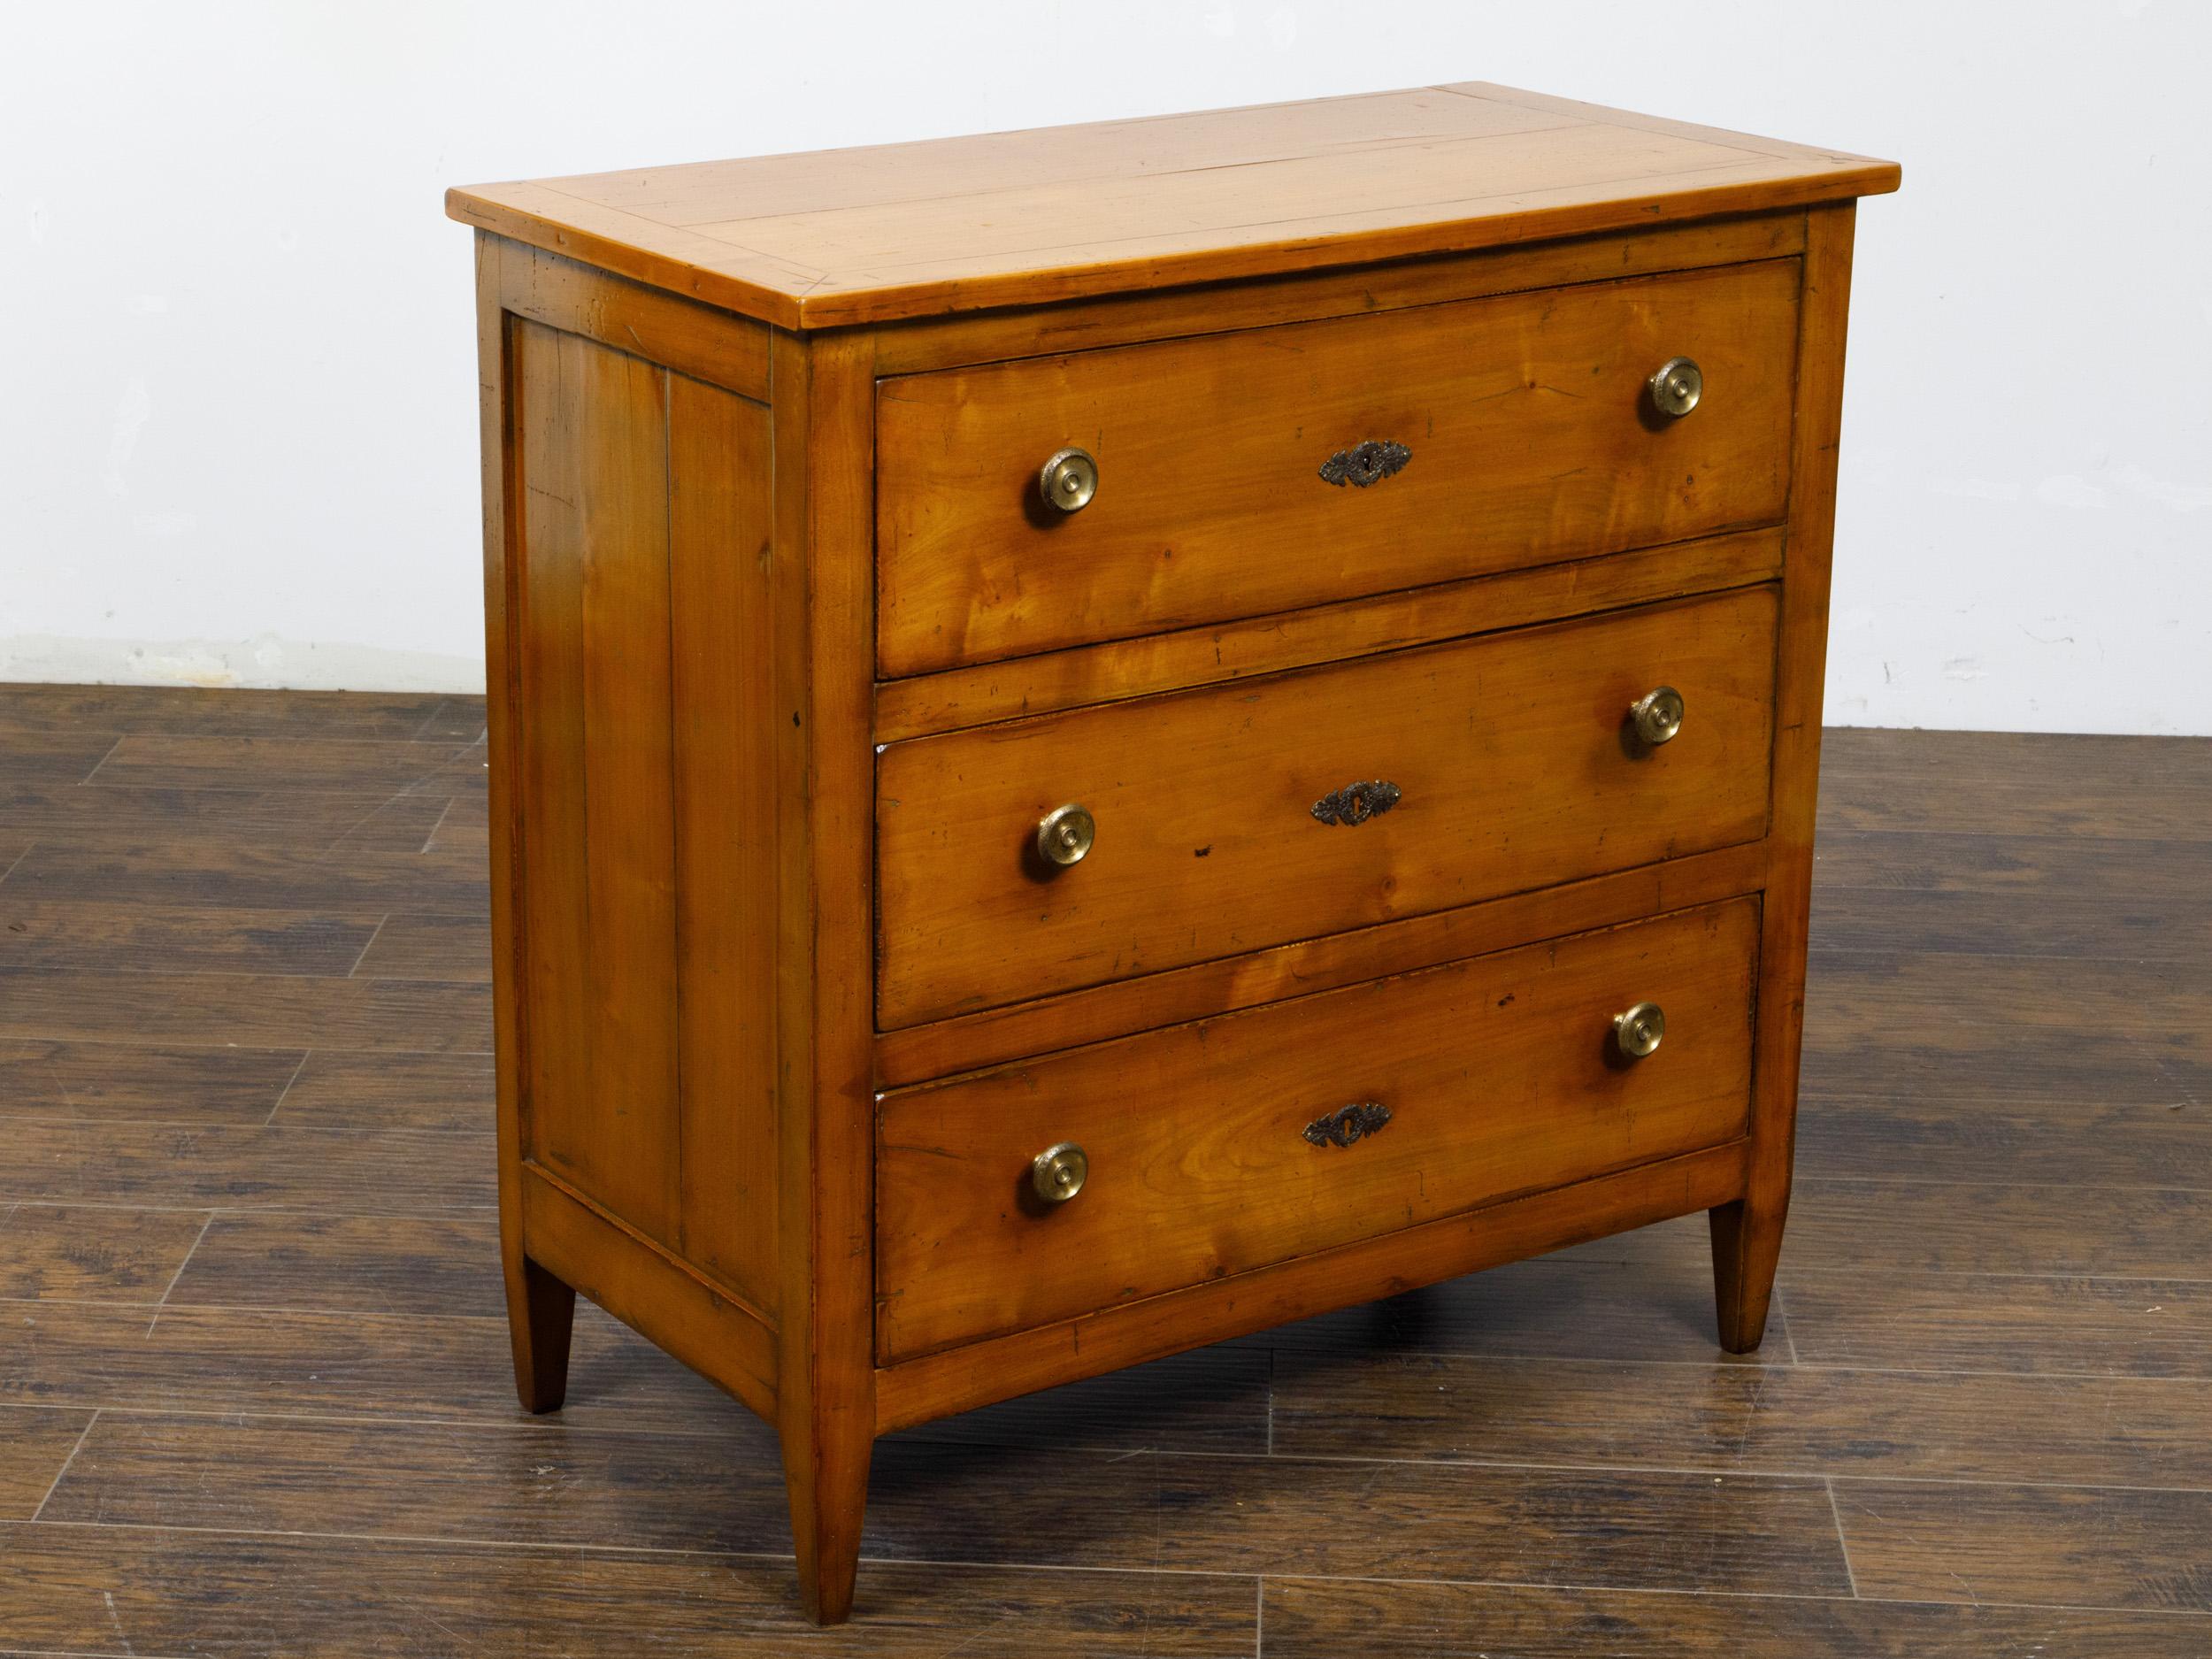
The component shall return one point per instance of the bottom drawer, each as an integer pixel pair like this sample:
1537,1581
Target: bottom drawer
1255,1137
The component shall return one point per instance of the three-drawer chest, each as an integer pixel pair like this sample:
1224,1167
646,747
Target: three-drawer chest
1102,737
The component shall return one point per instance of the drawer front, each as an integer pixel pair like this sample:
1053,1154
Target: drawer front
1214,1148
1511,757
1530,434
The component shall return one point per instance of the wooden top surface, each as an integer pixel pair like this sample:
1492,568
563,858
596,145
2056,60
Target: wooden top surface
840,236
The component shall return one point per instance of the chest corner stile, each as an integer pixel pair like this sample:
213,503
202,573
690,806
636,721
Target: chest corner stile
1059,797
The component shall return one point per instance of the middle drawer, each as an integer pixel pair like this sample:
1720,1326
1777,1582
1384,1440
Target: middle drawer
1242,816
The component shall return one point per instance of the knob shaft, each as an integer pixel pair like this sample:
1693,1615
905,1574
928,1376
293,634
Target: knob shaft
1057,1173
1638,1029
1675,385
1657,716
1069,480
1066,833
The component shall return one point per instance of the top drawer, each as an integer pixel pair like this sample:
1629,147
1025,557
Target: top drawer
1530,435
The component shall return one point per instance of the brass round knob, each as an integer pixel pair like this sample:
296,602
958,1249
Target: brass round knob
1657,715
1066,833
1057,1173
1638,1029
1676,387
1069,480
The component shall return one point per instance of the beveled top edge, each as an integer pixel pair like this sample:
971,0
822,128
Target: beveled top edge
833,238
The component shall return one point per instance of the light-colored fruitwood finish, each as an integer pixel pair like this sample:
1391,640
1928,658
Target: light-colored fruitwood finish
1499,1073
1526,418
785,664
1508,752
836,237
1114,670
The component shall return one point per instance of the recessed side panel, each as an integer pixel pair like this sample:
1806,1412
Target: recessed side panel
719,527
593,732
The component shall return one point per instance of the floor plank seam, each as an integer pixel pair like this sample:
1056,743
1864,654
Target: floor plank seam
306,1054
190,1250
430,840
1843,1544
369,944
54,1485
1789,1337
102,761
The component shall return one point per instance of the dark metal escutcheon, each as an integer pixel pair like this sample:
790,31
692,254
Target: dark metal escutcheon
1347,1124
1364,464
1356,802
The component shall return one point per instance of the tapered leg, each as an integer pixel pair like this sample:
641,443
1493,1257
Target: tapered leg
541,1309
1747,1245
825,1467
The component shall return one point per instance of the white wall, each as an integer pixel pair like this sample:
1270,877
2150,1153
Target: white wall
237,439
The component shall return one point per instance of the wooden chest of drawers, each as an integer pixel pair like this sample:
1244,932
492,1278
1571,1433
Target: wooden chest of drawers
1105,737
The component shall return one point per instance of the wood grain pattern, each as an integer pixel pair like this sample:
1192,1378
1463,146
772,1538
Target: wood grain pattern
50,936
84,712
135,1082
1943,1399
2065,1040
2019,783
573,299
345,1364
231,1166
71,1589
385,1264
1526,418
706,539
446,947
1746,1234
72,1253
1511,751
319,822
981,1373
336,1089
1785,1419
969,1042
1119,670
1942,1226
825,1379
722,627
870,235
2148,1550
248,877
598,840
1905,1318
1594,1302
1498,1075
184,760
34,1445
1120,319
254,1010
1313,1620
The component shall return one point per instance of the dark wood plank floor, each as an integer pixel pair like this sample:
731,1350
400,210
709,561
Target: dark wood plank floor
254,1396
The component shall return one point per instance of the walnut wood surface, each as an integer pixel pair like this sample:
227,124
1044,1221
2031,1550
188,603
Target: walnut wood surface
1526,418
1997,1291
1498,1074
1511,752
869,235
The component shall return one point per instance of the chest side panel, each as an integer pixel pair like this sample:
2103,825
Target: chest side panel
646,848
